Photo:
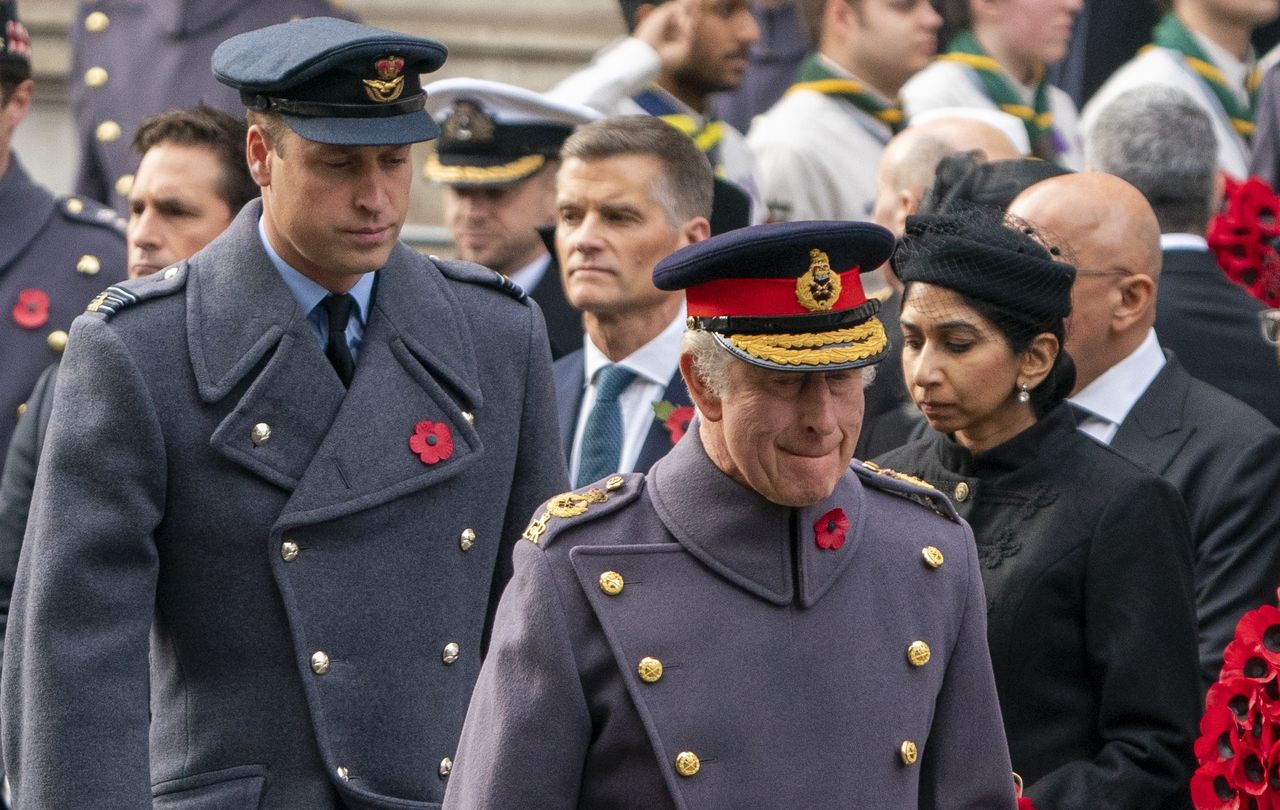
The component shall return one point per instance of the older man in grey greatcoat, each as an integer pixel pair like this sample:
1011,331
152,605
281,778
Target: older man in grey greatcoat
756,622
278,497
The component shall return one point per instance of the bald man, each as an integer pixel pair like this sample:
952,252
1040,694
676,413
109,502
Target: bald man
1223,456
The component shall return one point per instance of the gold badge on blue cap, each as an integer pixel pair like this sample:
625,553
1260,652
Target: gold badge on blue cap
819,288
389,84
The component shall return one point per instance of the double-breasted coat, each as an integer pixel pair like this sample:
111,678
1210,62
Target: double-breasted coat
1086,560
241,586
676,641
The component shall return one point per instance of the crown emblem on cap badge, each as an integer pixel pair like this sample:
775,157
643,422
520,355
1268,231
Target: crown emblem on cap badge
468,124
819,288
389,84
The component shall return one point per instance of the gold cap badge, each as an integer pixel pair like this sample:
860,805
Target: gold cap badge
389,84
819,288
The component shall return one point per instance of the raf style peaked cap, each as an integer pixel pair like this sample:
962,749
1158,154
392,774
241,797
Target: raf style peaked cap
493,134
785,296
334,81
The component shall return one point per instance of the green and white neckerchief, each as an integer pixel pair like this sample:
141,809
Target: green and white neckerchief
1038,118
816,76
1172,35
706,134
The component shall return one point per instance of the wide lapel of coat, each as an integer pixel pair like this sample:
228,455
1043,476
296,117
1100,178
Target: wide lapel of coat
416,374
570,374
1156,430
658,442
246,333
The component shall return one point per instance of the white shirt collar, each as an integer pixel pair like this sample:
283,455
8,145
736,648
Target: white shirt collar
1183,241
531,274
1118,389
655,361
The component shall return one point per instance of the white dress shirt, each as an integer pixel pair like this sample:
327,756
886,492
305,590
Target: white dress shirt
1109,398
654,363
531,274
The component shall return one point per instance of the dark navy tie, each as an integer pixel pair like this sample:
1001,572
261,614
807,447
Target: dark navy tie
338,308
602,436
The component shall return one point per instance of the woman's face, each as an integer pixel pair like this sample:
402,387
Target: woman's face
959,368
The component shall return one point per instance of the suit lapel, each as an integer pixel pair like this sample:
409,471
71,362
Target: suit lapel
657,442
570,374
1155,430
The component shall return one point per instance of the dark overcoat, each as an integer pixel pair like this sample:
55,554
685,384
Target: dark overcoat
241,587
1212,327
1224,459
571,384
56,253
1086,559
684,643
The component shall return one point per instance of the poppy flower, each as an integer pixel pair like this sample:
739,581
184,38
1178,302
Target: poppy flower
1024,803
1218,733
675,419
1242,660
1259,631
829,530
432,441
1212,788
32,309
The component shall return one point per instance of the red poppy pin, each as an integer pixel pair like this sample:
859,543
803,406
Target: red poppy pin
32,309
432,441
830,529
675,419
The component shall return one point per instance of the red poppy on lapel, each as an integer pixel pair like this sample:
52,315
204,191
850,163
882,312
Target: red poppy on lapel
675,419
32,309
1024,803
432,441
830,529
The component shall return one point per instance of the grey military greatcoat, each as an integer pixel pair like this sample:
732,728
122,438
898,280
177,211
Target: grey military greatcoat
676,641
313,594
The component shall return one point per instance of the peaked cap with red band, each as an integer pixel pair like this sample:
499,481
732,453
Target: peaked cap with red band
785,296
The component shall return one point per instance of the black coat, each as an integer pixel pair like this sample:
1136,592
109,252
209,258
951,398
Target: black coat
890,418
1087,567
1212,326
1224,458
564,323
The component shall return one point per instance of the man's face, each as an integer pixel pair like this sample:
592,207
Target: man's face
893,39
494,226
1039,29
789,435
174,206
332,212
723,32
611,232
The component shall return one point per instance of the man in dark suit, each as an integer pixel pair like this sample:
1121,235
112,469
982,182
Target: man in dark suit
1221,455
1160,141
307,453
630,191
56,253
497,158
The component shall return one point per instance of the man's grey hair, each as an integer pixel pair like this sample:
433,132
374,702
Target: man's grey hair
1159,140
711,362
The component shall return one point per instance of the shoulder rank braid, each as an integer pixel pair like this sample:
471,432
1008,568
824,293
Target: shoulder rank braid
478,274
933,499
816,76
569,505
1172,35
965,49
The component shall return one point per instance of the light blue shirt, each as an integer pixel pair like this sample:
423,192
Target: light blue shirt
309,294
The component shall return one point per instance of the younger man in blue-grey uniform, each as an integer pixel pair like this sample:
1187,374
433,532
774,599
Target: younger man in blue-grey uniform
55,254
283,478
756,622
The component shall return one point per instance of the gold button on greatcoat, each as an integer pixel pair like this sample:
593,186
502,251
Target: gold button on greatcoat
97,22
446,767
124,184
611,583
469,416
319,662
261,434
22,408
918,653
932,556
650,670
95,76
908,753
108,132
687,763
169,273
75,205
467,539
962,492
450,652
614,482
289,550
89,265
57,340
344,774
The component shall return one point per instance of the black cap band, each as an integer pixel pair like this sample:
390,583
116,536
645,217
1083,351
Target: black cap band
316,109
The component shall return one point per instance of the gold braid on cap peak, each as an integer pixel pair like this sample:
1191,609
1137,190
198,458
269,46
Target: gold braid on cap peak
440,173
852,344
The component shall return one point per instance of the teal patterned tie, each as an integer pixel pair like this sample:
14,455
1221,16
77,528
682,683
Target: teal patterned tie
602,436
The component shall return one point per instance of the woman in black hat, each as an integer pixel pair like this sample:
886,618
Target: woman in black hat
1085,556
